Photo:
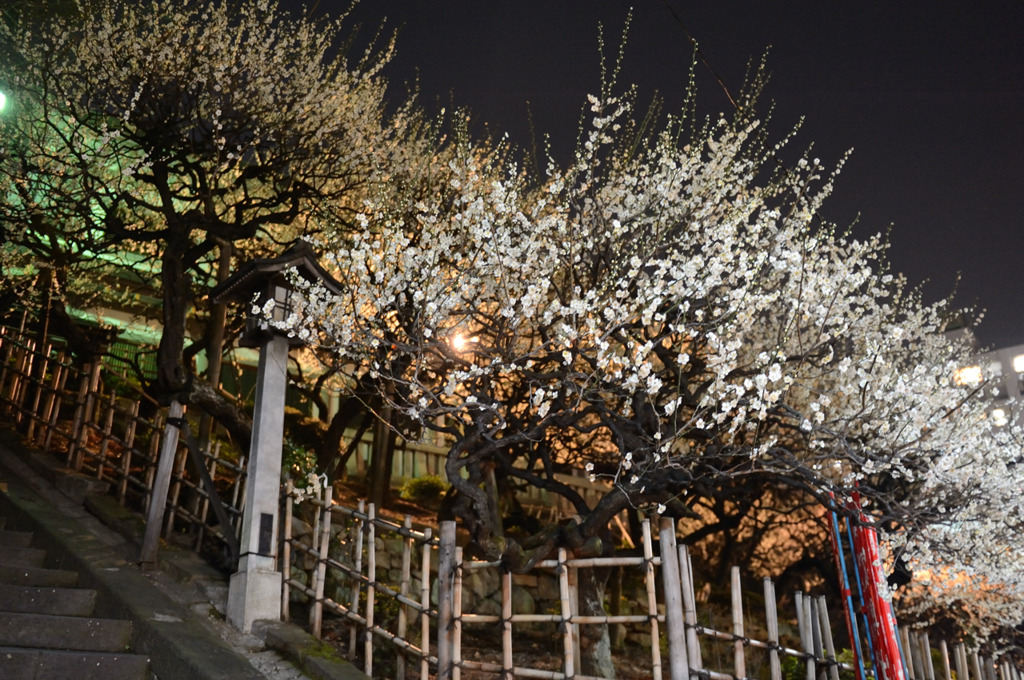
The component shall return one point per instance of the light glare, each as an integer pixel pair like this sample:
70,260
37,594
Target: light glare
1018,363
968,375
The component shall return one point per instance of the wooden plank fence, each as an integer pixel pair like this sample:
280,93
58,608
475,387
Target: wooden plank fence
406,594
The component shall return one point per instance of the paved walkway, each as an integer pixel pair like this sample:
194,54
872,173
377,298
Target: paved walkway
177,610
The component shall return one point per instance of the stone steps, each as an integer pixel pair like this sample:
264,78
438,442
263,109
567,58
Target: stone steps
47,625
36,664
55,601
15,539
37,576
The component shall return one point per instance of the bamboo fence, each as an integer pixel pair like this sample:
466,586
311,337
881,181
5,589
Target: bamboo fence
417,618
669,619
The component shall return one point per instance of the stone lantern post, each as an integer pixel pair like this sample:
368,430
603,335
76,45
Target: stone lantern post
254,591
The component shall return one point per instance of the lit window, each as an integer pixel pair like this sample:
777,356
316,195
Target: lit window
1000,417
1018,363
968,375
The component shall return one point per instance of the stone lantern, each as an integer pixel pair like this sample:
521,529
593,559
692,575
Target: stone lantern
254,592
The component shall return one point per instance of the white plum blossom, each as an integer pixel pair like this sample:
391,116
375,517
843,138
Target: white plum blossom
667,313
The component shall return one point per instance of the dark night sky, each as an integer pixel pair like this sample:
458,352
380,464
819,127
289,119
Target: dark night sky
928,94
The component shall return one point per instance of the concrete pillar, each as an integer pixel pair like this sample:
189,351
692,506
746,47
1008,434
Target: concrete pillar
254,591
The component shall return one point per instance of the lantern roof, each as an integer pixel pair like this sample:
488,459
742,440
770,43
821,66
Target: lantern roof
255,276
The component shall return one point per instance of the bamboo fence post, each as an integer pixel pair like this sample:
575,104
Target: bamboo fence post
652,599
286,551
20,386
152,462
926,655
826,634
91,393
32,410
44,395
445,584
987,668
24,411
403,589
36,416
11,369
53,414
457,617
574,612
52,397
675,626
567,643
811,610
177,476
772,619
204,503
357,562
316,612
803,617
371,588
910,655
108,430
739,651
125,469
17,376
944,650
425,604
690,609
507,668
961,661
78,424
18,352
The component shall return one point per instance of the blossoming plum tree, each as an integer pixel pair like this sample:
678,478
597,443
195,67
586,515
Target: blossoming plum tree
156,138
666,313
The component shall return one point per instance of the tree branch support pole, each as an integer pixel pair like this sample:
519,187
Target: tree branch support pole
254,591
679,665
445,593
161,483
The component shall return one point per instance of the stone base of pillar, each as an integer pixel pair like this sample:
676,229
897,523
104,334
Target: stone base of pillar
253,596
